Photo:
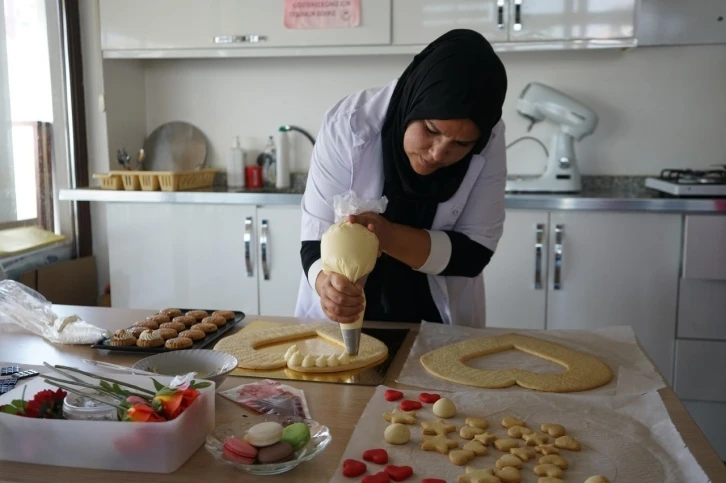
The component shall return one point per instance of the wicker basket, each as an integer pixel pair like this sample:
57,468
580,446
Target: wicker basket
186,180
109,181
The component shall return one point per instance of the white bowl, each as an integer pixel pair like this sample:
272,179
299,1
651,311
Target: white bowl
201,361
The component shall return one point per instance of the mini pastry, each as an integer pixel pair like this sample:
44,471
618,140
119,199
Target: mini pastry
177,326
192,334
239,451
197,314
206,328
227,314
149,339
166,333
187,320
264,434
297,435
178,343
214,319
122,338
171,313
148,324
275,453
136,331
159,318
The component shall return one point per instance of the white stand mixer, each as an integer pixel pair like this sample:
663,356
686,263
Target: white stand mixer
538,102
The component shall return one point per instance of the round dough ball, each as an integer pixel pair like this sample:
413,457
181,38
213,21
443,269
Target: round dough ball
445,408
397,433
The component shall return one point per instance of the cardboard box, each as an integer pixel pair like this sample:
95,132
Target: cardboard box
73,282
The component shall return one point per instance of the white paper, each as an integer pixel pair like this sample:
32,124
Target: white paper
633,373
629,439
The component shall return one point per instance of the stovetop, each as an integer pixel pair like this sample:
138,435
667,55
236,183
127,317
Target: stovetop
689,182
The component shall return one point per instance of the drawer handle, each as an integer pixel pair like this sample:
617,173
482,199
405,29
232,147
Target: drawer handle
559,234
538,244
264,239
248,242
517,15
240,39
500,14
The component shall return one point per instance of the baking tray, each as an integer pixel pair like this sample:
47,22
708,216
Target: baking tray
367,376
198,344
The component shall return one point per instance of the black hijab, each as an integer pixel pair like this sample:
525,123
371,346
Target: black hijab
457,76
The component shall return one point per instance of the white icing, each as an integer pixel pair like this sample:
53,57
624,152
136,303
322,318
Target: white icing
333,361
344,359
290,351
308,361
321,361
296,359
149,335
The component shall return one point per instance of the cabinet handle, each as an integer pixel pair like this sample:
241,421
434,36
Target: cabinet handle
500,14
538,244
263,249
518,15
240,39
559,233
248,243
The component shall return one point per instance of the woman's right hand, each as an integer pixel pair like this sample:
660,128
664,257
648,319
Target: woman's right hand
341,300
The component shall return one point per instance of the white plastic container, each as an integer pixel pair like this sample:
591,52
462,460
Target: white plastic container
236,165
106,445
282,165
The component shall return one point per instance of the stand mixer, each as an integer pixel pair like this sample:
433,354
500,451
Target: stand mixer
539,102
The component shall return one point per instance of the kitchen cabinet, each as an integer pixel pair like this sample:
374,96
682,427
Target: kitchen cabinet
677,22
595,270
228,24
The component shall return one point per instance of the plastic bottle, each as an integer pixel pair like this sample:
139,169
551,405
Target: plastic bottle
236,165
282,163
267,159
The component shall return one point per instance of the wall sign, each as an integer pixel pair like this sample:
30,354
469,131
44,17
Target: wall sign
322,14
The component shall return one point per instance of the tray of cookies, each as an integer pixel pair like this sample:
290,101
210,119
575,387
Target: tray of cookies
173,329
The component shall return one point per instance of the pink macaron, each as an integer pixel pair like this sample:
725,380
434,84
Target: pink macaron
239,451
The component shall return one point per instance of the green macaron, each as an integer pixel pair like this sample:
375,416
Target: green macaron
297,435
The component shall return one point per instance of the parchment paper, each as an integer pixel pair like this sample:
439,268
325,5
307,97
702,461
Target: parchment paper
633,373
629,439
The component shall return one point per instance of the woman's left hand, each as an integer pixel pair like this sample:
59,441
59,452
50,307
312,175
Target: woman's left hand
382,228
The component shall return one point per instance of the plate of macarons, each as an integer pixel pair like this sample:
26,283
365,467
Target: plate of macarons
268,445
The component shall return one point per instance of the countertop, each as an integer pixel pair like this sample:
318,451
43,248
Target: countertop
339,406
599,193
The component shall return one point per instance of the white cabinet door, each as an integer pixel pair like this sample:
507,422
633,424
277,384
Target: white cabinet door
175,255
194,24
421,21
616,269
279,265
515,280
542,20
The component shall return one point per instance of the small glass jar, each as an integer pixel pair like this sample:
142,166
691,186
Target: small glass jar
84,409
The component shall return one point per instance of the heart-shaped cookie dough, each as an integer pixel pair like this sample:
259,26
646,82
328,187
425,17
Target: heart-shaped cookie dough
583,371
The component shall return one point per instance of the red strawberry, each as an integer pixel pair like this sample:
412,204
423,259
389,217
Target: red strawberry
410,405
353,468
432,480
380,477
429,397
377,456
398,473
393,395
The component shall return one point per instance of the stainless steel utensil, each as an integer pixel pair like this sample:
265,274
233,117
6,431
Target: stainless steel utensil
175,146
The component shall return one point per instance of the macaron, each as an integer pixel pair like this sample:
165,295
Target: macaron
264,434
275,453
297,434
239,451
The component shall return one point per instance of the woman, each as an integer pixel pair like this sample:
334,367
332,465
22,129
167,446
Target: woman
433,143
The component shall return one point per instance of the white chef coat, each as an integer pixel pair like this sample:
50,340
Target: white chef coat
348,156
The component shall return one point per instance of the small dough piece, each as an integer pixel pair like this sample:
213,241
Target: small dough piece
308,361
509,474
204,327
548,470
508,460
597,479
549,479
546,449
554,459
177,343
321,361
439,443
567,442
333,361
480,423
518,431
468,432
344,359
437,427
296,359
460,457
510,421
477,475
505,444
397,433
444,408
187,320
197,314
485,438
536,439
398,416
475,447
554,430
524,453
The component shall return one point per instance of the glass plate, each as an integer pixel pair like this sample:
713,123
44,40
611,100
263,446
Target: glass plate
319,438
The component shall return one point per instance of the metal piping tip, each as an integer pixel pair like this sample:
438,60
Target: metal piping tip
351,338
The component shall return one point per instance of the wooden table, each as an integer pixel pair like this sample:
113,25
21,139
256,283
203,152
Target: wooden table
336,405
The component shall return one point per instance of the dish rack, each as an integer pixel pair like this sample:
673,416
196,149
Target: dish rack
155,180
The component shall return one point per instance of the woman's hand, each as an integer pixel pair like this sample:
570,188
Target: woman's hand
382,228
341,300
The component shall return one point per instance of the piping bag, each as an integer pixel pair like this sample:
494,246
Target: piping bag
351,250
